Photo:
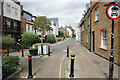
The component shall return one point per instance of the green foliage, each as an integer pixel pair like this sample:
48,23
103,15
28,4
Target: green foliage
42,22
9,64
7,42
29,38
60,34
50,38
39,44
35,28
35,46
73,35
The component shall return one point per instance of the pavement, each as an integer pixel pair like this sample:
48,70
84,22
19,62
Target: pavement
87,64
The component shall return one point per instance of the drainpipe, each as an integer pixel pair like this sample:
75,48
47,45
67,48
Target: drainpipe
90,25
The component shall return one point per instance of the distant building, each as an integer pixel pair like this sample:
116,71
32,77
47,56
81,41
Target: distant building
78,34
66,33
72,30
54,24
11,18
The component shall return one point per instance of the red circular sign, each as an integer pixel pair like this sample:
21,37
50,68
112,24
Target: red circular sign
113,11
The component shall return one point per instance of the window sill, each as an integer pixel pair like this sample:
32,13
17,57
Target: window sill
103,48
96,21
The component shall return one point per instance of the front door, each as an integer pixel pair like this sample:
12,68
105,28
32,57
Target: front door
93,34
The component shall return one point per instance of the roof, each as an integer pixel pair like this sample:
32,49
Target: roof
29,22
55,20
27,12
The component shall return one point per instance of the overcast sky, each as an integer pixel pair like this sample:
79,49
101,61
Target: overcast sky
68,12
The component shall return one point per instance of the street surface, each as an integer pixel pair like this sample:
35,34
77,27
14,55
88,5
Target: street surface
87,64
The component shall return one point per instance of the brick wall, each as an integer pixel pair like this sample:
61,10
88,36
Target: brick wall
23,25
119,48
103,23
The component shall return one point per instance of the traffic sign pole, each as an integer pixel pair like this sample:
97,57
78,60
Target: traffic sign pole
111,64
112,13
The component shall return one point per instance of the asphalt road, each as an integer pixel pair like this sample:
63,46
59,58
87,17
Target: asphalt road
87,65
44,66
51,67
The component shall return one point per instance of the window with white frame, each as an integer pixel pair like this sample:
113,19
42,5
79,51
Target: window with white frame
8,8
28,27
96,14
15,11
104,39
32,29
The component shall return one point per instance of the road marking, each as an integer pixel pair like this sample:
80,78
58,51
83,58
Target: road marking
61,66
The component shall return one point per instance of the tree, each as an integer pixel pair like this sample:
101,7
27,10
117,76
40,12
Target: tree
35,28
43,23
60,34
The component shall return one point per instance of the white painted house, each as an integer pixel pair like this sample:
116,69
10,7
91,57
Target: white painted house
54,24
78,34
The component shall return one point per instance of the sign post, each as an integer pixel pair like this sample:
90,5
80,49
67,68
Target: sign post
112,13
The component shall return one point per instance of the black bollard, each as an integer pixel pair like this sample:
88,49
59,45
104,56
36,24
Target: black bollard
41,48
48,50
72,66
22,53
111,67
30,66
7,52
67,51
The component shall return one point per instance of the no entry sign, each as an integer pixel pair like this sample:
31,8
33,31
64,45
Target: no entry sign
113,11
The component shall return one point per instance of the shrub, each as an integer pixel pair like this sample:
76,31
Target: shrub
29,38
9,64
60,34
7,42
50,38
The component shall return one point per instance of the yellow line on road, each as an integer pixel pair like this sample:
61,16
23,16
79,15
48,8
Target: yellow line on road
61,67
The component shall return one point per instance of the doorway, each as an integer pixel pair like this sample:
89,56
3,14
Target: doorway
93,34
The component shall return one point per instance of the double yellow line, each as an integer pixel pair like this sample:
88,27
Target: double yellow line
61,66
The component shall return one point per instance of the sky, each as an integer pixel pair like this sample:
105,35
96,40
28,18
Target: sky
68,12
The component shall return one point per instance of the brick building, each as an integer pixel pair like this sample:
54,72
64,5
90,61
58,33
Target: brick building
96,31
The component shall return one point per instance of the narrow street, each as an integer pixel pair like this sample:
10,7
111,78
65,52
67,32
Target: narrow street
59,39
87,65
